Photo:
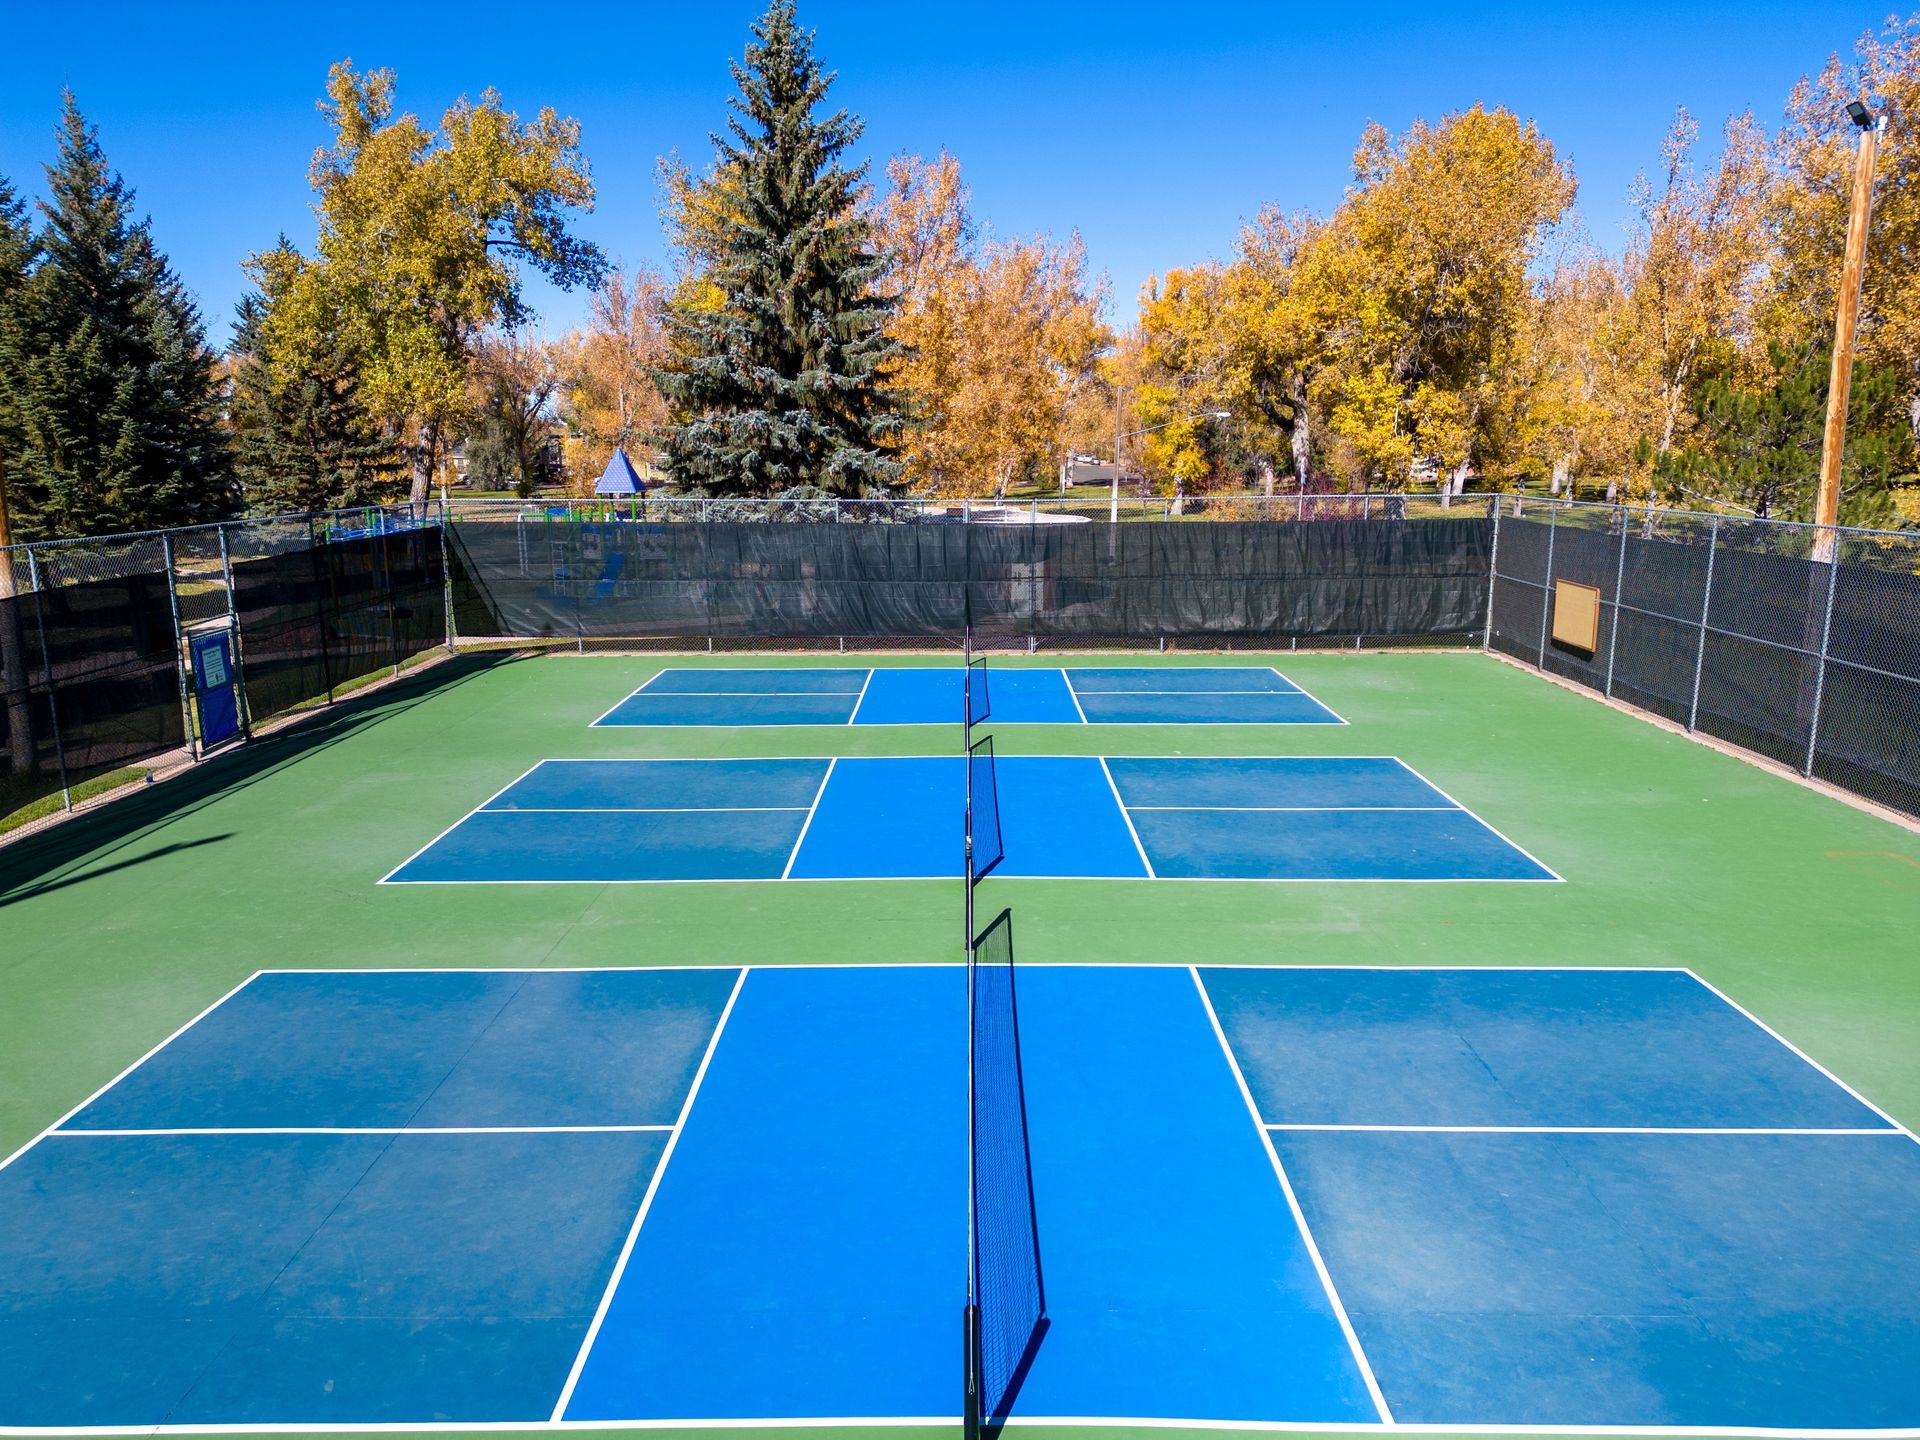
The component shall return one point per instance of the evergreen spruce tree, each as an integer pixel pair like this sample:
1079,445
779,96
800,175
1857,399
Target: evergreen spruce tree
305,440
116,401
780,388
16,258
1760,448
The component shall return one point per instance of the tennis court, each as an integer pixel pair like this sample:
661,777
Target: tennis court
932,695
509,1141
896,817
715,1194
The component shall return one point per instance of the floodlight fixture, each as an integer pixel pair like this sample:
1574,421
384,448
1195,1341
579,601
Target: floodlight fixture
1860,115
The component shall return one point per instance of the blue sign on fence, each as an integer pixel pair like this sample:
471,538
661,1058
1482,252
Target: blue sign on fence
213,681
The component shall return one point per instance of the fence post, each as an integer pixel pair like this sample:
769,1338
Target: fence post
46,666
1493,579
179,648
1706,606
1546,589
322,584
1826,632
393,614
233,633
446,578
1619,585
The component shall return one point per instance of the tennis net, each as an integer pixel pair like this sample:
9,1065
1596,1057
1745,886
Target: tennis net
1006,1296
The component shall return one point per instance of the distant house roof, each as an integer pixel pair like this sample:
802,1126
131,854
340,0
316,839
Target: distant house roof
619,478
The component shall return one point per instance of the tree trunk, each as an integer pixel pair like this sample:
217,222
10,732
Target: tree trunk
1562,481
1266,478
1302,437
425,452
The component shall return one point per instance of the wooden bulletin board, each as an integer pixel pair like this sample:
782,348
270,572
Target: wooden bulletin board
1576,615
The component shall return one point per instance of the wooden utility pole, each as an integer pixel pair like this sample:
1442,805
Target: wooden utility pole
1834,443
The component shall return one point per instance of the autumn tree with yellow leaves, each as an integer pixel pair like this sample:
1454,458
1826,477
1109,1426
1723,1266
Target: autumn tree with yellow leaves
1001,340
424,235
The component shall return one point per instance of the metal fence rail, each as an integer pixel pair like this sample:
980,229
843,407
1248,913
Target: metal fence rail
1736,628
98,638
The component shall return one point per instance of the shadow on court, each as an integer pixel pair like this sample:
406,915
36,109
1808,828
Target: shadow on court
38,864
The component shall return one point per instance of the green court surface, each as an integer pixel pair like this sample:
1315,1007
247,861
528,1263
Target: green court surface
119,927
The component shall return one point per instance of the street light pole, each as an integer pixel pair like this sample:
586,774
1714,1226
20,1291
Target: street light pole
1834,442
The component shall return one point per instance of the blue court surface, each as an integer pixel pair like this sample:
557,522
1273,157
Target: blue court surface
1342,818
1284,1197
933,695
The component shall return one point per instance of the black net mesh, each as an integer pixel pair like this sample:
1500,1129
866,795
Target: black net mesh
1007,1293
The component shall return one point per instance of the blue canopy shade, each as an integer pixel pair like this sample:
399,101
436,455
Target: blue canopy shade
619,478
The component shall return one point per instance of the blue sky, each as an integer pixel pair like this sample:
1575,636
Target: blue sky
1155,130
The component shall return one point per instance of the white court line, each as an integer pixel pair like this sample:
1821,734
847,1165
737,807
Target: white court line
365,1129
861,699
751,694
1476,817
130,1069
646,1203
1128,818
1025,1422
1312,809
1548,879
642,810
1293,1204
961,964
1735,1005
1073,694
624,698
807,824
1591,1129
384,879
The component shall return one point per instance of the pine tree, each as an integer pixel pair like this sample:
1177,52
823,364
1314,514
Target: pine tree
302,440
780,387
16,258
116,400
1760,447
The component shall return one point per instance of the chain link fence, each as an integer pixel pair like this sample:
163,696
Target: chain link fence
1794,644
98,638
1070,509
1765,635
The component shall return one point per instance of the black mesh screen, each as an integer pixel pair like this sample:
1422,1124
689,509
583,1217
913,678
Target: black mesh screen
278,600
1738,629
88,676
1147,580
